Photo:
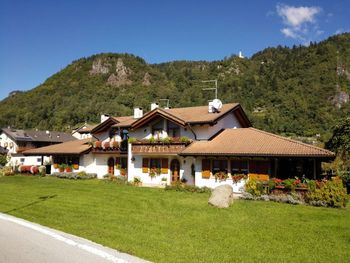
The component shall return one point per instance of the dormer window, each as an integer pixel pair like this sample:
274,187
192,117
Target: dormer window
173,130
157,129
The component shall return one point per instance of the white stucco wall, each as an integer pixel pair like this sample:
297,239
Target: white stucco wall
212,183
27,160
204,132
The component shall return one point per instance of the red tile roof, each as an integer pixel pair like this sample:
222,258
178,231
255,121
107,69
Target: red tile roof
72,147
254,142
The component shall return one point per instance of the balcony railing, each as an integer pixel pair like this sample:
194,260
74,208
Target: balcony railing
163,146
110,147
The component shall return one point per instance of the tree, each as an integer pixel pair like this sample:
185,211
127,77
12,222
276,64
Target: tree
340,140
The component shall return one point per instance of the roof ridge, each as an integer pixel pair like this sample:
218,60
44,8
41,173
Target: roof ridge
172,115
290,140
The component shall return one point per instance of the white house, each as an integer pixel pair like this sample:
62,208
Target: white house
202,146
15,142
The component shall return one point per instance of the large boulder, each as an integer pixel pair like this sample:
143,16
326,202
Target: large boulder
221,196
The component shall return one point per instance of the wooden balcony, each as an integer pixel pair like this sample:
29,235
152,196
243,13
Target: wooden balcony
109,147
171,146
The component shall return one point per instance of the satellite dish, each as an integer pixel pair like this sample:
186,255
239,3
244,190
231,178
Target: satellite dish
217,105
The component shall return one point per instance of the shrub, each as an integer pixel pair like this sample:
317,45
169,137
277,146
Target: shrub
6,171
166,140
152,140
187,188
331,193
79,175
132,140
3,159
42,170
117,179
254,187
137,181
184,139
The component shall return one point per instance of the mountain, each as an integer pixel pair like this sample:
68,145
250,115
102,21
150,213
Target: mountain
293,91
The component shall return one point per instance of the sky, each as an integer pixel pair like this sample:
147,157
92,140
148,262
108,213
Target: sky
40,37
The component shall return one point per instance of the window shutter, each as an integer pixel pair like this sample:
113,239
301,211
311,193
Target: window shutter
165,166
205,168
145,165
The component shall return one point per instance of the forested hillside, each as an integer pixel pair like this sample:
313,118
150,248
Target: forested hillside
300,90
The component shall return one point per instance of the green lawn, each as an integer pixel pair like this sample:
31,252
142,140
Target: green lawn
167,226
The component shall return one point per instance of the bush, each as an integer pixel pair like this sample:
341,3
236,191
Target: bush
187,188
254,187
42,170
3,159
118,179
331,193
6,171
80,175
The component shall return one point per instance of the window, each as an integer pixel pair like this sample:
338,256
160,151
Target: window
122,161
157,129
21,160
219,166
155,163
239,167
38,160
173,130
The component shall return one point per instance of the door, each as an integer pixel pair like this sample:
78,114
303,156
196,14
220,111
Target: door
175,170
111,165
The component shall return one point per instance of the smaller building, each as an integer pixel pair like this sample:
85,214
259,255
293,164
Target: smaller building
15,142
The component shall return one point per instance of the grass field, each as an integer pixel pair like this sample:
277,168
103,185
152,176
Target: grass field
168,226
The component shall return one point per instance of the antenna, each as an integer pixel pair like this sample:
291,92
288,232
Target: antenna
216,86
167,102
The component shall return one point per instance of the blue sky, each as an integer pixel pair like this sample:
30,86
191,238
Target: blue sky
38,38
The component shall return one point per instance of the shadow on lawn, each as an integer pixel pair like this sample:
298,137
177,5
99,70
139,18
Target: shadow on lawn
41,199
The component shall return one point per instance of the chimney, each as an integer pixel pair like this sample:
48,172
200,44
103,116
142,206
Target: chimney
138,112
104,117
210,107
154,105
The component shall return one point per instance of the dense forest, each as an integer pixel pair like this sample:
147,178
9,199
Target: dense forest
293,91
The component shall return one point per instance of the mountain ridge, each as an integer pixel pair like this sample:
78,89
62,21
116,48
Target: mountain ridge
298,90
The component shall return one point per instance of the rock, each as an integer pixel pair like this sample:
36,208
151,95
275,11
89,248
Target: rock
99,67
221,196
121,75
146,79
340,98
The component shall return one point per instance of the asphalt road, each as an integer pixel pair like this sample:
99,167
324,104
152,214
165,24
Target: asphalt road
23,241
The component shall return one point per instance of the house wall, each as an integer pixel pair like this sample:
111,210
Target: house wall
211,182
5,140
206,131
19,159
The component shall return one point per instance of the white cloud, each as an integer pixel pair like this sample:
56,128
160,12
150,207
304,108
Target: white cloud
297,20
289,33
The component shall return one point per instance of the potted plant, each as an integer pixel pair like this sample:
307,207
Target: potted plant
76,166
106,145
238,177
61,167
152,172
222,176
69,169
123,171
98,144
55,165
115,144
137,181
